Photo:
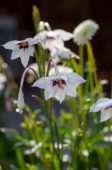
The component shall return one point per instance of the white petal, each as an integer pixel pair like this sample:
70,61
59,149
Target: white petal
50,91
3,78
75,78
11,45
41,26
70,89
35,67
30,51
106,114
74,55
41,36
42,83
101,104
31,41
53,34
60,95
64,35
15,54
58,43
62,70
24,58
85,31
20,101
66,53
53,52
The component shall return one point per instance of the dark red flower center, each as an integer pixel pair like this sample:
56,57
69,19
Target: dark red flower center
58,82
109,107
50,38
23,45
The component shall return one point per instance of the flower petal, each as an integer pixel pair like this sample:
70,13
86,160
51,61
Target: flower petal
75,78
70,89
60,95
24,58
20,100
101,103
106,114
16,53
29,51
42,83
50,92
11,44
66,53
31,41
64,35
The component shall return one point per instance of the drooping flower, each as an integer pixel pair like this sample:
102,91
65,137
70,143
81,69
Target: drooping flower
20,102
50,38
105,105
59,85
85,31
54,41
62,70
43,26
22,49
62,52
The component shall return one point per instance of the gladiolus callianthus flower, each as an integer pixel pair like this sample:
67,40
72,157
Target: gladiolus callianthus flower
22,49
105,105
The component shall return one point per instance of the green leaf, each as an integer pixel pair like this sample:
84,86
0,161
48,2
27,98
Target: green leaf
37,111
65,129
11,134
20,158
36,17
102,143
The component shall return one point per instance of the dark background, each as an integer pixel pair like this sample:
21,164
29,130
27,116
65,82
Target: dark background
16,23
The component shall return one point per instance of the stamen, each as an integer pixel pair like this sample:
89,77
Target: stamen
108,108
23,45
50,38
60,83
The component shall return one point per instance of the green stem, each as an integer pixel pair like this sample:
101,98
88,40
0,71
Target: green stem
50,123
81,61
84,128
92,60
37,136
38,61
73,110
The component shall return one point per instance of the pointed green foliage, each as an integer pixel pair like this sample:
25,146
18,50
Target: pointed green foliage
36,17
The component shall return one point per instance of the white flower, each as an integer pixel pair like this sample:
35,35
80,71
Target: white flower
108,138
20,101
85,31
62,70
3,79
66,158
62,52
54,41
33,66
104,82
60,85
22,49
21,95
54,37
44,25
85,152
105,105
